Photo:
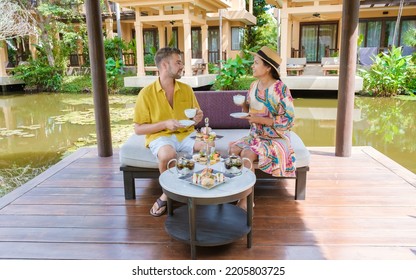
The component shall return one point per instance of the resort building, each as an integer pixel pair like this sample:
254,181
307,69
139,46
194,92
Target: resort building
309,34
208,31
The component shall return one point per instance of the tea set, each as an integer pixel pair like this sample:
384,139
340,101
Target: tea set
185,164
233,164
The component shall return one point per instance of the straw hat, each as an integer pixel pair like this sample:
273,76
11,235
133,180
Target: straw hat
270,56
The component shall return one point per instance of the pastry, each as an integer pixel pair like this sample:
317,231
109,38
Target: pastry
207,181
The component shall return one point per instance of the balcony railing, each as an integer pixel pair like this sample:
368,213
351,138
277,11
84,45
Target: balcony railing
298,53
129,59
214,56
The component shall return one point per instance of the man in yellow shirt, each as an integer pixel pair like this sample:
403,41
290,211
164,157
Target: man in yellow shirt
159,106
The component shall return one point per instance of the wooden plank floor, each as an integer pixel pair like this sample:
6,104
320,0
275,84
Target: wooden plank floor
359,207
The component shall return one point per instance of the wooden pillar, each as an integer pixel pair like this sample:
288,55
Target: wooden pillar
98,75
226,38
187,46
204,35
109,28
284,41
33,41
169,32
346,86
139,45
3,58
161,32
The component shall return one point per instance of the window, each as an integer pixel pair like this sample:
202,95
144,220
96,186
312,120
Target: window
196,43
173,40
214,44
319,40
380,32
150,40
373,33
406,26
237,38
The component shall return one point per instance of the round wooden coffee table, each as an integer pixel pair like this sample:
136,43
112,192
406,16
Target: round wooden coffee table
208,219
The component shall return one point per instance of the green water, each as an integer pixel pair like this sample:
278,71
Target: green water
386,124
37,130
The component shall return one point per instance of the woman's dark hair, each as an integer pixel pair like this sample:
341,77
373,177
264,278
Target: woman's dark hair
275,74
273,70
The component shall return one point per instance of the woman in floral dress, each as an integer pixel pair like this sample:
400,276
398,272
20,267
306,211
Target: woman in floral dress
271,115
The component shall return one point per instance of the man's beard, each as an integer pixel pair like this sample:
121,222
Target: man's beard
175,75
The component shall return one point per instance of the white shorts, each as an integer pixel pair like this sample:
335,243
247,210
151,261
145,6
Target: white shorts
186,146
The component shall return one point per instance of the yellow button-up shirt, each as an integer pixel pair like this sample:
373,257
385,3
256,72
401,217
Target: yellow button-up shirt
152,106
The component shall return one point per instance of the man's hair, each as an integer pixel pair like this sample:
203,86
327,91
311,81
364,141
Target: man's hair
165,53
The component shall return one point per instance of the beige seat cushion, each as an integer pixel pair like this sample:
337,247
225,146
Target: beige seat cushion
134,153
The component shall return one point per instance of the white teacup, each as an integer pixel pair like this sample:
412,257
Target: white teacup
190,113
239,99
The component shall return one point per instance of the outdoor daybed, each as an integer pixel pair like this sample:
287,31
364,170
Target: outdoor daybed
296,65
330,64
138,162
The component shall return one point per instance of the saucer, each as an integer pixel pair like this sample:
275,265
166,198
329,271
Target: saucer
239,115
186,122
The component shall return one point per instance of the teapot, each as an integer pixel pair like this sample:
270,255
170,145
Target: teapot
234,164
184,165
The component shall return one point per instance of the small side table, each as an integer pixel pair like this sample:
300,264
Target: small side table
208,219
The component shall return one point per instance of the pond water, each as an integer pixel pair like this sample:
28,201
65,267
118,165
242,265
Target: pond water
37,130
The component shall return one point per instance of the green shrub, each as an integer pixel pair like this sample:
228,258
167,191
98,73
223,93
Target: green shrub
212,68
114,47
77,84
231,72
149,59
38,75
243,84
391,74
114,71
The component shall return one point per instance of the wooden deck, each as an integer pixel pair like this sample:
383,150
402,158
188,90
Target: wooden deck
360,207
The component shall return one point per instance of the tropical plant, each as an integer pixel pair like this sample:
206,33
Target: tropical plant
131,47
53,18
39,75
44,72
149,58
114,71
212,68
231,72
253,35
264,33
391,74
360,39
72,39
113,47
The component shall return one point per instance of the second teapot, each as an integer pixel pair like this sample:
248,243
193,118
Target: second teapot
234,164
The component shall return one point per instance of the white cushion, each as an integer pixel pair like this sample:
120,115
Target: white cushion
134,153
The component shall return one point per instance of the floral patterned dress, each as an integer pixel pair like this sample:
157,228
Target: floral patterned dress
271,143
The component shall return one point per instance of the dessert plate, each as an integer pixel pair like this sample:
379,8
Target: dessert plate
188,178
239,115
186,122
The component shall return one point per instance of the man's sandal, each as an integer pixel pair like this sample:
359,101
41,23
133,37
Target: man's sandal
161,208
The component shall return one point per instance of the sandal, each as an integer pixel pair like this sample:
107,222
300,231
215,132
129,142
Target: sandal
161,208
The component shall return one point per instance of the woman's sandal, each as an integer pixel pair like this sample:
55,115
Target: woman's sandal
161,208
